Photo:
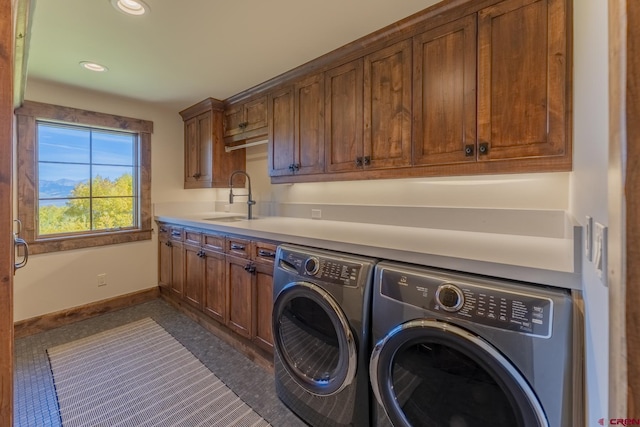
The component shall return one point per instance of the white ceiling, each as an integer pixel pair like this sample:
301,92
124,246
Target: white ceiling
187,50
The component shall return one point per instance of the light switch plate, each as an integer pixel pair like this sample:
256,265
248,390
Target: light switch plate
588,238
600,251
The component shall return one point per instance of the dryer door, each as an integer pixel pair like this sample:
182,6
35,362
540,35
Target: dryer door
313,339
431,373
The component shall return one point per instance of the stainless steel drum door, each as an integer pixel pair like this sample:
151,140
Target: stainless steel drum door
313,338
432,373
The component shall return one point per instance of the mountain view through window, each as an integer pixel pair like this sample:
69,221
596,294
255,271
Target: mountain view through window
87,179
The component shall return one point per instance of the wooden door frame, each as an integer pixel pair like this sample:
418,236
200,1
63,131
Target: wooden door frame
6,212
624,208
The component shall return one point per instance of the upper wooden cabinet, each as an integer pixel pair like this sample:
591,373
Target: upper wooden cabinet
343,122
522,80
206,164
444,94
387,107
245,119
296,128
472,88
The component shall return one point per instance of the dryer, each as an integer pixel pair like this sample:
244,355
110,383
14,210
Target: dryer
321,335
456,350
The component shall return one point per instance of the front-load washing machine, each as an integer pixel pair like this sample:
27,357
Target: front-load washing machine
321,335
455,350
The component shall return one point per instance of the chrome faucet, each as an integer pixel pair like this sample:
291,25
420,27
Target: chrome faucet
250,201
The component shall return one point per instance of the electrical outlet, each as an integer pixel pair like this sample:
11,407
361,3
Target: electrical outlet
102,279
600,251
316,213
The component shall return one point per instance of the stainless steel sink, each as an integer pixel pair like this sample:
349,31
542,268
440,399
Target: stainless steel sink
234,218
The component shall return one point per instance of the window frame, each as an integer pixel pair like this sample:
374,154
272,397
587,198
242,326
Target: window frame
27,117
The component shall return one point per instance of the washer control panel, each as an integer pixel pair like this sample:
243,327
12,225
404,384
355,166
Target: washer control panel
481,304
326,269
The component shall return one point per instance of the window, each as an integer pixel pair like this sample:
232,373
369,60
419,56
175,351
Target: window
83,178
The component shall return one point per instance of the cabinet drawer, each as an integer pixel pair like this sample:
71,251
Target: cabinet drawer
164,231
192,237
263,252
238,247
176,234
214,242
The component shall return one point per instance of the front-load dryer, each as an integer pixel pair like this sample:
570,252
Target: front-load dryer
321,335
454,350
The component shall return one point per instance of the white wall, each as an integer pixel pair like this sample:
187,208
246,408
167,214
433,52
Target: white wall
57,281
589,183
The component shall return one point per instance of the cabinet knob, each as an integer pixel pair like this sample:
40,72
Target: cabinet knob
359,162
366,160
197,175
296,166
468,150
483,148
250,268
168,244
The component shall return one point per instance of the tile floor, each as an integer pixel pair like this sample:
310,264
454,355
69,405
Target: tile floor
35,399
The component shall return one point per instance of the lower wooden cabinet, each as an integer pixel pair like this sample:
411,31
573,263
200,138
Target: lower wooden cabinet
227,278
240,295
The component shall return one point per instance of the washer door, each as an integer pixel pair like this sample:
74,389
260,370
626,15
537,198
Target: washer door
313,339
431,373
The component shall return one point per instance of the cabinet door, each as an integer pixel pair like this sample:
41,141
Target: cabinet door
522,79
343,123
198,151
281,129
215,285
255,114
239,296
193,275
177,267
233,117
263,336
387,107
309,125
445,94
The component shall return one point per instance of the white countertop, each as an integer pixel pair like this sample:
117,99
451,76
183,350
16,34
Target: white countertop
541,260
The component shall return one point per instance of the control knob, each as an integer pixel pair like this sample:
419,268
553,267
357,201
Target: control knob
312,266
449,297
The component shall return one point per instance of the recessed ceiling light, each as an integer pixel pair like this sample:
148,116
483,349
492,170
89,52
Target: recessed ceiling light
92,66
130,7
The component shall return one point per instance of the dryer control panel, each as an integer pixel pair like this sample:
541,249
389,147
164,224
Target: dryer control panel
325,268
496,306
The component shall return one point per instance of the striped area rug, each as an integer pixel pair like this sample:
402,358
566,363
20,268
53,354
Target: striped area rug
139,375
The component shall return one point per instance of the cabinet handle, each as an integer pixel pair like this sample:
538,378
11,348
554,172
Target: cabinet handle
366,160
296,166
266,254
237,247
484,148
250,268
243,125
175,233
291,168
468,150
197,175
358,162
163,230
168,244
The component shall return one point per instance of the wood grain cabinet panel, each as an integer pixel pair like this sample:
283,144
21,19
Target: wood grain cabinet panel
387,107
193,275
522,80
239,296
263,306
177,268
215,298
245,119
206,163
343,122
296,128
444,94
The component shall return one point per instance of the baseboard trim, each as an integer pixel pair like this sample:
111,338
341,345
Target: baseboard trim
49,321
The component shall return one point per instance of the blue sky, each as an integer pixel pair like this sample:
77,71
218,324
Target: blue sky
65,152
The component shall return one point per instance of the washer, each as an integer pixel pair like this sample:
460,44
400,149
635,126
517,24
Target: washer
321,334
456,350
